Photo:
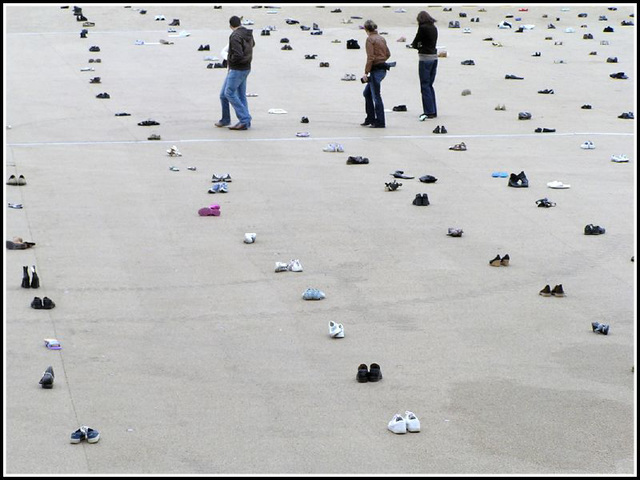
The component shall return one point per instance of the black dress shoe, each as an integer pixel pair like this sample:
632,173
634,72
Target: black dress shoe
25,277
437,129
363,374
375,374
443,129
47,378
36,303
418,199
47,303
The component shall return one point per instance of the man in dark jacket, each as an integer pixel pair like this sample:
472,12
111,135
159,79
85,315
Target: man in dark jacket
234,89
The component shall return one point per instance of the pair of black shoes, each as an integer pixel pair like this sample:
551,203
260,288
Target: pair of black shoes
557,291
94,48
592,229
266,32
103,95
544,130
357,160
612,60
586,106
95,80
627,115
83,33
202,48
518,181
304,120
393,186
284,40
619,76
47,378
288,47
42,303
421,200
311,57
545,203
400,108
373,374
513,77
324,64
546,91
467,62
440,129
35,280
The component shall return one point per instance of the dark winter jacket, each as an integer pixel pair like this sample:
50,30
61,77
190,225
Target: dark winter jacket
241,44
426,39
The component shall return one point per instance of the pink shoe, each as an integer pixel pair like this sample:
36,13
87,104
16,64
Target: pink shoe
208,211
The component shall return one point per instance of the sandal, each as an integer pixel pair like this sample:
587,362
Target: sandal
400,174
460,147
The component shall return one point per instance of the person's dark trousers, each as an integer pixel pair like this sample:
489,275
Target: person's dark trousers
373,99
427,70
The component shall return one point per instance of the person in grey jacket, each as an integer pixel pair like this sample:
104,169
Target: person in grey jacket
234,88
425,42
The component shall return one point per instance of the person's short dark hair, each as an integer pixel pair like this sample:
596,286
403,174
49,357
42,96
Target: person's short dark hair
370,26
424,17
234,21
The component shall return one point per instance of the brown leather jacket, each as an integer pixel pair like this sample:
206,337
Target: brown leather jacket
377,51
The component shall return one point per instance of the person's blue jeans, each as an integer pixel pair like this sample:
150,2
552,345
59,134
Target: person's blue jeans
427,70
373,99
234,92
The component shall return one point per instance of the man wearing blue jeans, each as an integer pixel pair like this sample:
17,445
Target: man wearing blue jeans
234,88
376,67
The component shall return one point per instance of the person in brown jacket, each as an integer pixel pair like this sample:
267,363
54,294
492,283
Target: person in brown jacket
374,72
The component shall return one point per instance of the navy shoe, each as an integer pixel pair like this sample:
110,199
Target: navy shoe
37,303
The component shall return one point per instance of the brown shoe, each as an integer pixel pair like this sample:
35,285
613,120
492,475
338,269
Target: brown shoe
238,126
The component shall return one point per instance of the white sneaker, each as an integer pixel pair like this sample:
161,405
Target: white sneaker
173,152
333,147
281,267
588,145
466,30
619,158
249,237
294,266
336,330
413,424
397,424
247,22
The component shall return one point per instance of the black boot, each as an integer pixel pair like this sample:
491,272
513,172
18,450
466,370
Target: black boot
35,280
25,277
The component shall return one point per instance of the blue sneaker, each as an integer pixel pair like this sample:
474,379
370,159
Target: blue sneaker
313,294
92,435
77,436
215,188
224,188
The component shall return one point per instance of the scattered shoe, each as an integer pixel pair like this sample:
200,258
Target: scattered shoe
357,160
612,60
375,374
249,238
336,330
513,77
397,424
622,158
454,232
598,327
421,200
588,145
47,378
397,108
211,211
363,374
333,147
52,344
103,95
558,291
545,203
619,76
36,303
546,91
35,280
413,424
593,230
154,136
459,147
313,294
627,115
174,152
428,179
294,266
546,291
85,433
392,186
524,116
544,130
558,185
26,283
401,174
586,106
281,267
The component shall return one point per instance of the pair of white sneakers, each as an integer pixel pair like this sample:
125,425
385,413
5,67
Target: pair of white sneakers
408,423
619,158
174,152
249,237
336,330
333,147
588,145
292,266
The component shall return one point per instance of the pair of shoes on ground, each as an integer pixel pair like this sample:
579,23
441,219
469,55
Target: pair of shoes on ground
401,174
588,145
35,279
622,158
174,152
546,91
357,160
212,210
292,266
545,203
422,199
373,374
324,64
392,186
459,147
17,181
592,229
224,177
598,327
627,115
336,330
500,107
524,116
440,129
518,181
221,187
85,433
103,95
400,108
619,76
313,294
249,238
333,147
18,244
557,291
147,123
154,136
42,303
47,378
455,232
203,48
500,262
409,423
348,77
